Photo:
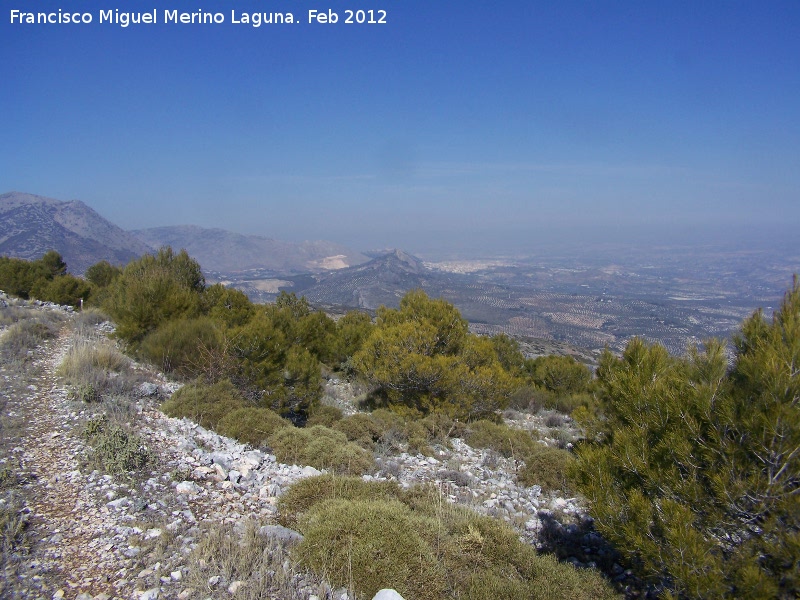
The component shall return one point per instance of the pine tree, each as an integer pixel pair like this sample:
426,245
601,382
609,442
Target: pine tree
694,470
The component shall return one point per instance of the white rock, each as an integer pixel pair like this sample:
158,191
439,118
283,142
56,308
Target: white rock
234,587
282,533
118,503
387,595
150,594
310,472
187,487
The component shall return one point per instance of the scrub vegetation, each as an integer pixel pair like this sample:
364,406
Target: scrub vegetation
689,465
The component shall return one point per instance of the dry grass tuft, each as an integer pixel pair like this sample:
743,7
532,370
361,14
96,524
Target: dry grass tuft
243,554
23,336
94,368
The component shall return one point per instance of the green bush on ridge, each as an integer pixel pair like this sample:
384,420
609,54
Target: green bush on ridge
421,359
204,404
321,448
251,425
373,535
44,279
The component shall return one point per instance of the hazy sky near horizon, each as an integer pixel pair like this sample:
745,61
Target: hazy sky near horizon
453,125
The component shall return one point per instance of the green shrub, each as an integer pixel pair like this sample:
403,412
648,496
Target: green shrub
391,423
501,438
324,415
372,545
361,429
64,289
251,425
152,290
116,450
45,279
440,427
204,404
101,274
289,445
535,399
694,471
375,535
391,430
423,358
417,439
183,346
547,467
288,374
228,306
307,493
352,329
321,448
561,375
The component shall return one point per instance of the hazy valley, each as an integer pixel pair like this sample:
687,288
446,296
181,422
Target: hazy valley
562,299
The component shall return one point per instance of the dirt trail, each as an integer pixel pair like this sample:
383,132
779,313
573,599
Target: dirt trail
92,536
64,519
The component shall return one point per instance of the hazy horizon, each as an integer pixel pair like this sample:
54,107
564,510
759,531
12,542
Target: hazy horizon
450,129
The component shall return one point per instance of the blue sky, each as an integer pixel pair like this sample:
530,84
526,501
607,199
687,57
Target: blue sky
453,126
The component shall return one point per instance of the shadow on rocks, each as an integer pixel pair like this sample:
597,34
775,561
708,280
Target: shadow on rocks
580,544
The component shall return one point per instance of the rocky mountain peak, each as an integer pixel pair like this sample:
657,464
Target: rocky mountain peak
30,225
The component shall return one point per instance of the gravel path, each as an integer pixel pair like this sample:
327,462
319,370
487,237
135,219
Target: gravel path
94,536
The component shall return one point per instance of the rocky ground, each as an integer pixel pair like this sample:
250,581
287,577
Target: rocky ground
94,536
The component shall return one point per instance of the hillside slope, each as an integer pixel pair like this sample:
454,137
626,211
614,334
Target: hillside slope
383,280
31,225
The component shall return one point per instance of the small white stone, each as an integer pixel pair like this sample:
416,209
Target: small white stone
234,587
187,487
386,594
310,472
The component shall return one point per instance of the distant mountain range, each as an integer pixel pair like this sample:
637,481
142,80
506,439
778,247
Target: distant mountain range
31,225
382,280
227,252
